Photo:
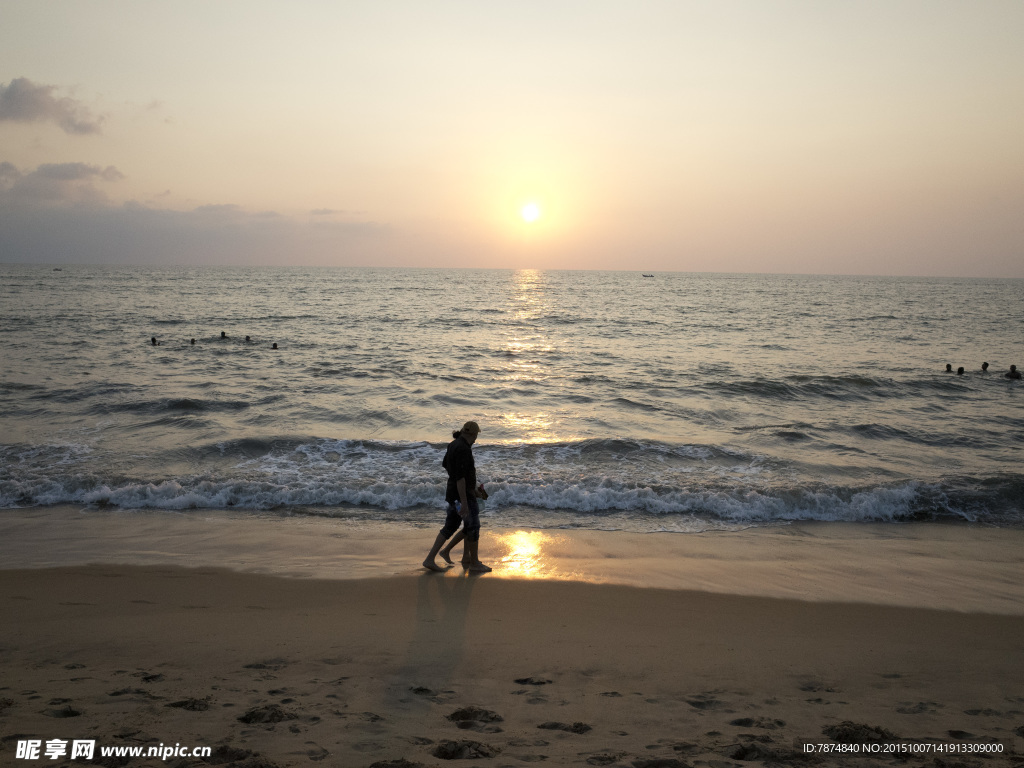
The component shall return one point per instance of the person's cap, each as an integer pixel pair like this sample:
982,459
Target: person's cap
471,427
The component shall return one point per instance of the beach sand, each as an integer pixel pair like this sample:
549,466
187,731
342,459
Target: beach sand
274,671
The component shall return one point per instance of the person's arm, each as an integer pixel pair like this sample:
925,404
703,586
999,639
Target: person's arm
460,485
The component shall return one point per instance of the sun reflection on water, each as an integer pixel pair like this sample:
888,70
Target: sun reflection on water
525,556
533,427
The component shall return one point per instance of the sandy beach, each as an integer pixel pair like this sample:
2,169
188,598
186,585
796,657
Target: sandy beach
502,670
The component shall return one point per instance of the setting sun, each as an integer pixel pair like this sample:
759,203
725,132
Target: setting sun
530,212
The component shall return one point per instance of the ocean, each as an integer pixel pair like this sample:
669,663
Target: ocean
607,400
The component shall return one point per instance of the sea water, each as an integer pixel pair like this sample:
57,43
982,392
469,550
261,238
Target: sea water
607,400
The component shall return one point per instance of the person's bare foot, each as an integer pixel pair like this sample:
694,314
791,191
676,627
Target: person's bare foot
445,556
479,568
430,565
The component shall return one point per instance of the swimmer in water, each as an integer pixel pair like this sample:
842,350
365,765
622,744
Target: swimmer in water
949,368
274,345
154,342
960,371
192,342
984,367
223,335
1013,373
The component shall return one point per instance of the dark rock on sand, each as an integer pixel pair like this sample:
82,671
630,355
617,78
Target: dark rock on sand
464,750
856,733
402,763
532,681
660,762
574,728
266,715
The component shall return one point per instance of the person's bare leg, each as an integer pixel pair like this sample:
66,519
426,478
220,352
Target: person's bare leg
475,566
446,552
429,563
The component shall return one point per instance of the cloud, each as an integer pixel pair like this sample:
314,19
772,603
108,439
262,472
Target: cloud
58,213
23,101
55,184
77,172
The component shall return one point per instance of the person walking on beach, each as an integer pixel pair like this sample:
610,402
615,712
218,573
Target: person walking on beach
461,497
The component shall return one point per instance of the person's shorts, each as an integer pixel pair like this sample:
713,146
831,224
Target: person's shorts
453,520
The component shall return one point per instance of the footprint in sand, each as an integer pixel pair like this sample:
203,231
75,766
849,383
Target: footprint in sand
573,728
273,665
605,758
67,711
267,715
532,681
191,705
922,707
965,736
316,752
760,722
477,719
464,750
704,702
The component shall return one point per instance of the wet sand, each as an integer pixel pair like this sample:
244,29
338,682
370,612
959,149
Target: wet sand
272,671
931,565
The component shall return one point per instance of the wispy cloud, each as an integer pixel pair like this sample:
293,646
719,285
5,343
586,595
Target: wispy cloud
21,100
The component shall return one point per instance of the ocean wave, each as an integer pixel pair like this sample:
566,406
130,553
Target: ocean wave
169,404
580,483
583,504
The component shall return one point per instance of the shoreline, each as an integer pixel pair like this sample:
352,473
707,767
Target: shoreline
278,672
965,568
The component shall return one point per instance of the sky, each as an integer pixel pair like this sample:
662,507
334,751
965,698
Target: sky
788,136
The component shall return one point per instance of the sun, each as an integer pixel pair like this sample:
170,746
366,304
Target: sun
530,212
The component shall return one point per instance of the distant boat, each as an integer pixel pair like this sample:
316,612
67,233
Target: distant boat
646,275
57,269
